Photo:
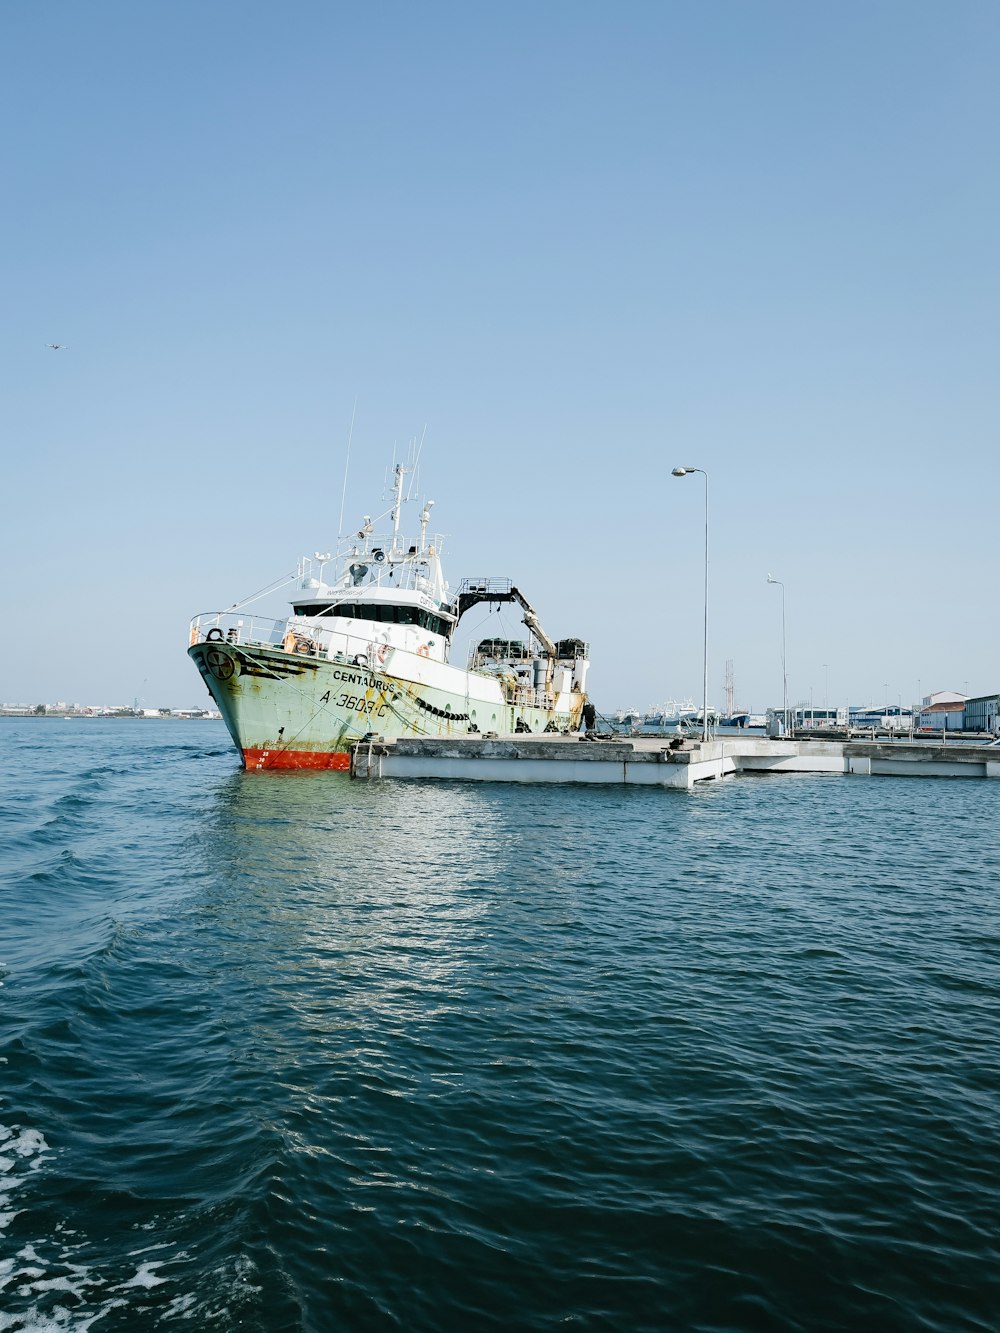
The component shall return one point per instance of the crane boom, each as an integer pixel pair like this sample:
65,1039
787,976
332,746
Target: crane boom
502,590
531,620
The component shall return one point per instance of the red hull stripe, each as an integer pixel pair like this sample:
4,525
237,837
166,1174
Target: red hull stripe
258,759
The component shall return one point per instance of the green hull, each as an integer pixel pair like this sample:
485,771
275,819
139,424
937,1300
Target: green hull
286,710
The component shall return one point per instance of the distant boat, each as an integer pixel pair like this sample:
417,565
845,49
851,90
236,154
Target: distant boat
743,721
685,716
674,716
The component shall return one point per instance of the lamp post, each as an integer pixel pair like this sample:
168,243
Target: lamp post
683,472
784,669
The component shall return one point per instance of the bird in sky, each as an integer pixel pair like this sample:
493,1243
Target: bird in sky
57,347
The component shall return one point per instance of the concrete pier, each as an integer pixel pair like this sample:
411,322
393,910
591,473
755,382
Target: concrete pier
649,762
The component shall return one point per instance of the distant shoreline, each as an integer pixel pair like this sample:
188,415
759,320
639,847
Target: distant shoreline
105,717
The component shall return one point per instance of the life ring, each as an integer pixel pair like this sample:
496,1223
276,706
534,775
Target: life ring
423,650
214,636
361,660
382,652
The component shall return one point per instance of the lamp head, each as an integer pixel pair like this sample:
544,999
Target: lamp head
681,471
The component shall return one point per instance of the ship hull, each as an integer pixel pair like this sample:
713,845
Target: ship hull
289,711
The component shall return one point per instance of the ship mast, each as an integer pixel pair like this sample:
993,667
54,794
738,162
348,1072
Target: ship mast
397,505
425,518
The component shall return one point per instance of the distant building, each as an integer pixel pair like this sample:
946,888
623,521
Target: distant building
944,697
893,717
982,713
942,715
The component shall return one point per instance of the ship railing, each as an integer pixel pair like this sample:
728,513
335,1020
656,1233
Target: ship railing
579,649
262,632
378,550
490,664
235,628
480,661
524,696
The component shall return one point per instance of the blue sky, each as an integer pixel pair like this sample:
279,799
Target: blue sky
580,243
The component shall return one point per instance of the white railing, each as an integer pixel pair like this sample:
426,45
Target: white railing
237,628
261,632
524,696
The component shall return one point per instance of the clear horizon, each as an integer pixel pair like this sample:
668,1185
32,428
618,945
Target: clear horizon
581,246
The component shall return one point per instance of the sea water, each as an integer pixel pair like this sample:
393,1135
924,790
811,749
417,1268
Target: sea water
285,1051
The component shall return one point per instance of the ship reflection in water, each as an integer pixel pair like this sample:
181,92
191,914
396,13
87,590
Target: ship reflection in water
384,884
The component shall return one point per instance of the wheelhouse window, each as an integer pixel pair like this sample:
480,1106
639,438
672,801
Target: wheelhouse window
382,612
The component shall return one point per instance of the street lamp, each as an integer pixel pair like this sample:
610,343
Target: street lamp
784,670
683,472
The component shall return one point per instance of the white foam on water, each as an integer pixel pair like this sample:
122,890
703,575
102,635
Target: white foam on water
50,1284
244,1268
57,1320
181,1307
21,1148
19,1274
145,1277
29,1143
26,1144
60,1295
30,1274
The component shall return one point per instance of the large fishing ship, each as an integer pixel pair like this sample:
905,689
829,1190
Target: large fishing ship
365,653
